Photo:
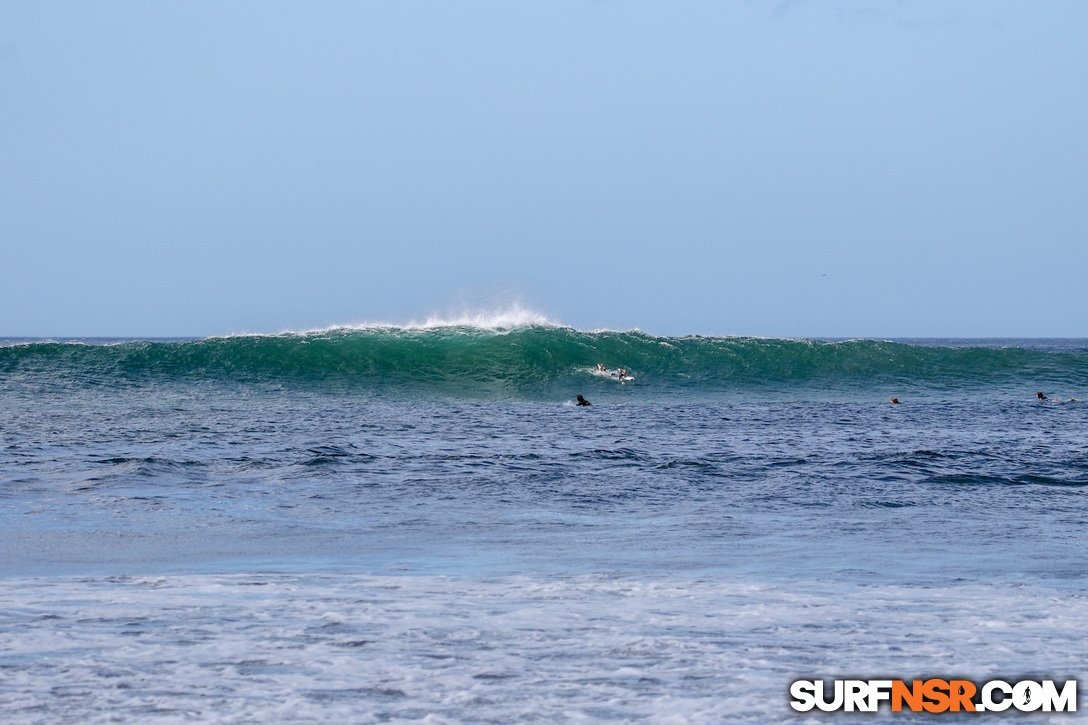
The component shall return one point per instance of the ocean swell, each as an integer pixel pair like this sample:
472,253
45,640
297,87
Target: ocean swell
545,359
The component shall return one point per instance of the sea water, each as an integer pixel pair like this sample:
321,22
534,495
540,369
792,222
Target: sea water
398,524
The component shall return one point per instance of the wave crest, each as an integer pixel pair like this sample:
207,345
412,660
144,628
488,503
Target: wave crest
514,317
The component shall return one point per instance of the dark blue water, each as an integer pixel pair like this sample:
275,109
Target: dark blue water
901,493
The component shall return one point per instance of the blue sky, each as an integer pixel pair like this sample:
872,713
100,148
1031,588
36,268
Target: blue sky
856,168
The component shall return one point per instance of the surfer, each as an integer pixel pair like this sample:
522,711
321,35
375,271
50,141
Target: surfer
583,401
601,368
1043,399
895,401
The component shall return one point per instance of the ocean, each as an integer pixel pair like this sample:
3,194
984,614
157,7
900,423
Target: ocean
417,524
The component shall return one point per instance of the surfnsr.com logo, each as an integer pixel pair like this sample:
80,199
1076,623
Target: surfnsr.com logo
934,695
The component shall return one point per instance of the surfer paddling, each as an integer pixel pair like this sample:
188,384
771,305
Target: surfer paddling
582,401
1043,399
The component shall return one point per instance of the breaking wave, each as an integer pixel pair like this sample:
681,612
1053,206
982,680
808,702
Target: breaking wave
530,356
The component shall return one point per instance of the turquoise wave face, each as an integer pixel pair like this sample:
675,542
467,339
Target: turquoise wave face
546,360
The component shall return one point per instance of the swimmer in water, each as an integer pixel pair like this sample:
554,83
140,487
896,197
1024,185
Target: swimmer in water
601,368
623,373
895,401
583,401
1045,399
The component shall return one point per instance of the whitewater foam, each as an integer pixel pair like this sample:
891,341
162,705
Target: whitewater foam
513,317
358,648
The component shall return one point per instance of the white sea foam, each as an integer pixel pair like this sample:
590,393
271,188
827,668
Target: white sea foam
512,317
346,648
509,318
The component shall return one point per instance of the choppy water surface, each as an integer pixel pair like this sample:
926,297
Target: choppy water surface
249,536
